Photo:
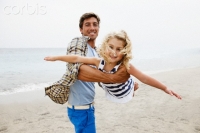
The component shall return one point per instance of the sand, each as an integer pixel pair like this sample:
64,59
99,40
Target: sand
151,110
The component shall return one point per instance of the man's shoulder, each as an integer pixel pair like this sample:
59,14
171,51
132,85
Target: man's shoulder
78,45
81,38
78,41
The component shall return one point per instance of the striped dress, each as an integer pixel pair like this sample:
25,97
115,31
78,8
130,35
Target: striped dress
117,92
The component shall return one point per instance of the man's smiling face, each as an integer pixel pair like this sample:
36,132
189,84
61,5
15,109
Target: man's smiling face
90,28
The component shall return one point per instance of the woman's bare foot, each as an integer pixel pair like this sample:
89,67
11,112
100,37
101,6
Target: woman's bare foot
136,86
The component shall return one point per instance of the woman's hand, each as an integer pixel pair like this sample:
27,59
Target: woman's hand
50,58
170,92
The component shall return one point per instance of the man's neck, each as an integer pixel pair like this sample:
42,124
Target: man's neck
91,43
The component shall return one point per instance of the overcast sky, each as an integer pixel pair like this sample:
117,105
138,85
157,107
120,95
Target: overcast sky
51,23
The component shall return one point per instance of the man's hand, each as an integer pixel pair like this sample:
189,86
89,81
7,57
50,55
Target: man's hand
121,75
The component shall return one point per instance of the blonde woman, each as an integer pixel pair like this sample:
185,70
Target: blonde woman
115,51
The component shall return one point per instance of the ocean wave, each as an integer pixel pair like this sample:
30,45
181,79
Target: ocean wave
24,88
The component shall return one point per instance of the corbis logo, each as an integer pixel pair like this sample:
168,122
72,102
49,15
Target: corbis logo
25,9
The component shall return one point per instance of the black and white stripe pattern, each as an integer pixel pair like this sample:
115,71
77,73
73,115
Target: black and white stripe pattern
118,90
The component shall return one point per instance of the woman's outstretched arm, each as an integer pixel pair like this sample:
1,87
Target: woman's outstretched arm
74,59
151,81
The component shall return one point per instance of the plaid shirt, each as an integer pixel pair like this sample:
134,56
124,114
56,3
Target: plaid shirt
78,46
59,91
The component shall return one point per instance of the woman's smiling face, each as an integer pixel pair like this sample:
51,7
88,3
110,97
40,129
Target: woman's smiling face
113,50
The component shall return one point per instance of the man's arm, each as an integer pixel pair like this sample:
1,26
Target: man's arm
87,73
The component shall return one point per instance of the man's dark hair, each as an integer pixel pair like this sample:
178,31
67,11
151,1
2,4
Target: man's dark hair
86,16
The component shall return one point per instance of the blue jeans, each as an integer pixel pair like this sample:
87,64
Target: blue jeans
83,120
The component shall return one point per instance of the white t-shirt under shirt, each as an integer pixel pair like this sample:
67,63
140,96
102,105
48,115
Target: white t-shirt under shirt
81,92
117,92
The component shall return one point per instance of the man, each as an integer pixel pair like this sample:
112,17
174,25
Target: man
81,96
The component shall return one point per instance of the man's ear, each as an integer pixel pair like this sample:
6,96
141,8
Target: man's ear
81,30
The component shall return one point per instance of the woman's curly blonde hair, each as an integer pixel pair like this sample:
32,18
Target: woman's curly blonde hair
121,35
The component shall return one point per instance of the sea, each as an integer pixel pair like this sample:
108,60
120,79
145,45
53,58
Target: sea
24,69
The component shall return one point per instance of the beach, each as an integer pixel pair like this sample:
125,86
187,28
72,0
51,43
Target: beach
150,110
